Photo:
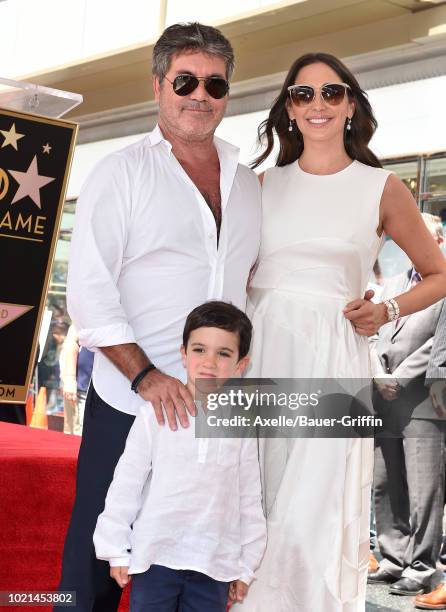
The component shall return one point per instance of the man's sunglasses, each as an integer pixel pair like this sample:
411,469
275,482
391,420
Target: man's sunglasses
184,84
332,93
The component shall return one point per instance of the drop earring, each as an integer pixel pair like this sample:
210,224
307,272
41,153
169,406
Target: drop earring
349,124
290,127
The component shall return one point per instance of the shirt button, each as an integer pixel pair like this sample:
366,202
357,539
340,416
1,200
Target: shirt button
211,235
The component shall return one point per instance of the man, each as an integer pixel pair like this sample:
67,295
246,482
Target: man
161,226
409,467
76,365
436,381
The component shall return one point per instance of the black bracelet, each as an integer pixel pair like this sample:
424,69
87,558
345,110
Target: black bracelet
138,378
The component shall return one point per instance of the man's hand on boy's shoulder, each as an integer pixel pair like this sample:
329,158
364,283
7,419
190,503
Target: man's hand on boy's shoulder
237,591
121,575
168,394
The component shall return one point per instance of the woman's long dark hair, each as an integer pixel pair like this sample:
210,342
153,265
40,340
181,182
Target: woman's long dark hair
356,139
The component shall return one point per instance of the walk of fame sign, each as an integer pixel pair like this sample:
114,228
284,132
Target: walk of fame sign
36,150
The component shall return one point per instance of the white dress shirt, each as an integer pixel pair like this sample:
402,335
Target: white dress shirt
194,503
144,254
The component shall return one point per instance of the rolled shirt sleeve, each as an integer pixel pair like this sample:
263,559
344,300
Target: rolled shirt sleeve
252,520
103,214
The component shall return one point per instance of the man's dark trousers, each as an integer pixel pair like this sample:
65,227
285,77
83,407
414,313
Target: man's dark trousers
103,440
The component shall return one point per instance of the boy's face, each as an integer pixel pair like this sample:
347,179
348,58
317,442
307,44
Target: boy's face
212,353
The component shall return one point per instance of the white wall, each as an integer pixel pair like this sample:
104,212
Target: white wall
40,34
410,117
207,11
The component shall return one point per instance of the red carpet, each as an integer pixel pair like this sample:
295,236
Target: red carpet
37,484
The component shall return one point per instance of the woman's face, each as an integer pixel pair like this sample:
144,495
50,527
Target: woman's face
318,120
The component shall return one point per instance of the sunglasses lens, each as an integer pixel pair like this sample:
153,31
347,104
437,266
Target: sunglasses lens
184,84
217,88
302,95
333,94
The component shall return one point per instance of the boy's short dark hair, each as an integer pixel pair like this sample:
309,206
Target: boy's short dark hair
223,316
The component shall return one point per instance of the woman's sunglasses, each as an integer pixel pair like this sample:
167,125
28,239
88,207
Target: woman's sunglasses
184,84
332,93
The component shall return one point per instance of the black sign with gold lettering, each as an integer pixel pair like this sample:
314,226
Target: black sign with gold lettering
35,160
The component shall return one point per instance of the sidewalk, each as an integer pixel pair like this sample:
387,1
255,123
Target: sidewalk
380,600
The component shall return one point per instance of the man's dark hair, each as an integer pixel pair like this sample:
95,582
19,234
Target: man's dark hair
223,316
182,37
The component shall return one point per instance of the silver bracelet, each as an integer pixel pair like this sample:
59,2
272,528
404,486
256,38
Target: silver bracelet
393,310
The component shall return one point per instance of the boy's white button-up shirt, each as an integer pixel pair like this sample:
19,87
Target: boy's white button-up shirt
193,503
144,254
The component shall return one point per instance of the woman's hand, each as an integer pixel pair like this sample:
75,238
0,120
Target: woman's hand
366,316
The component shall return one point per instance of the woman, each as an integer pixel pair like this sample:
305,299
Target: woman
326,207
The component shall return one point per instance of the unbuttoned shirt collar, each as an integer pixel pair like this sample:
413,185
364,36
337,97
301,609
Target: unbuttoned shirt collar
156,137
228,156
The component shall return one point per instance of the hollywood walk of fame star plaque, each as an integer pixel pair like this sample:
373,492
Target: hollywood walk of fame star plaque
35,158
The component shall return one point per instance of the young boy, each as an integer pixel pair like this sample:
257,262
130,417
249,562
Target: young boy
183,515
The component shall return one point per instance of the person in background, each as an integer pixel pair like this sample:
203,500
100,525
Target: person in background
409,464
436,382
378,273
48,368
76,364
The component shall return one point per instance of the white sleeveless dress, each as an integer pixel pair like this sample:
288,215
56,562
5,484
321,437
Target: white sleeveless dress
319,244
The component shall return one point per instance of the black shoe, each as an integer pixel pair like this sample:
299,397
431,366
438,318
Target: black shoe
381,577
407,586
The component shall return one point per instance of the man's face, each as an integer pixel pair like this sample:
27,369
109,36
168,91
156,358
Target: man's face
193,117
